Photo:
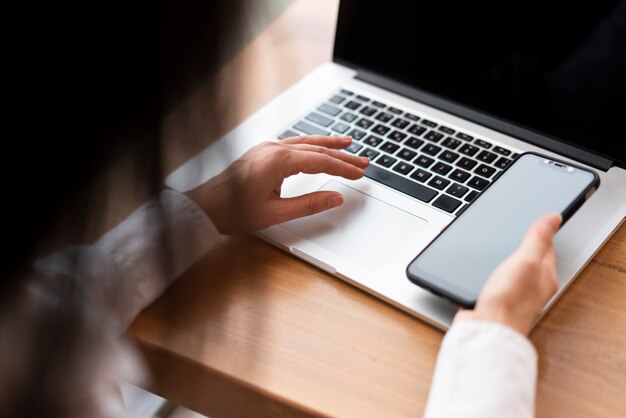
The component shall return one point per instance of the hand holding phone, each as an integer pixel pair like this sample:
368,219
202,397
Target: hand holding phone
458,262
519,288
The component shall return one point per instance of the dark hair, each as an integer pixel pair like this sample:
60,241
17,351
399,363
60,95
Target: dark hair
89,83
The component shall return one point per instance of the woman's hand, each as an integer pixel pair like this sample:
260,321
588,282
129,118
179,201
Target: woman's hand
246,196
521,285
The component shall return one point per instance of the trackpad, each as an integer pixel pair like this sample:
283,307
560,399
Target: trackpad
364,230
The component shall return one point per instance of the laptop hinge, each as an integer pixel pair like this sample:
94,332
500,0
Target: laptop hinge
508,128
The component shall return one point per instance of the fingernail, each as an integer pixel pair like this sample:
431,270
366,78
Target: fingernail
555,221
365,159
335,200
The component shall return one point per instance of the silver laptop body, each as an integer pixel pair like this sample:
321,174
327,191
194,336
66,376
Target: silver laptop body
370,240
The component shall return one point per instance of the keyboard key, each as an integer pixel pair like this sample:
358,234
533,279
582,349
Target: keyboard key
378,104
485,170
451,143
340,127
417,130
384,117
403,168
328,109
346,92
421,175
395,110
457,190
407,154
471,196
502,151
287,134
466,163
502,162
372,140
310,129
464,137
460,211
482,143
431,149
367,152
413,142
468,149
478,183
429,123
352,105
390,147
400,183
460,175
363,98
445,129
348,117
439,183
400,123
441,168
424,161
357,134
487,157
322,120
386,160
380,129
447,203
368,110
353,147
397,136
364,123
514,156
433,136
337,99
411,116
448,156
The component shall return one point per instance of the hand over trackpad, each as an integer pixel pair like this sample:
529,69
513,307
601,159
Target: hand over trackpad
364,230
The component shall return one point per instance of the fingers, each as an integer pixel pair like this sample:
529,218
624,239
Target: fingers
309,162
549,282
538,239
305,205
335,142
349,158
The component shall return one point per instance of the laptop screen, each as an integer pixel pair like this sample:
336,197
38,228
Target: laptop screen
554,67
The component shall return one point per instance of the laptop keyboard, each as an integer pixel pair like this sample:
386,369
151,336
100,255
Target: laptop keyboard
431,162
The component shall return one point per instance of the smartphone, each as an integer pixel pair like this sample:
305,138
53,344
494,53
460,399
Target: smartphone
458,262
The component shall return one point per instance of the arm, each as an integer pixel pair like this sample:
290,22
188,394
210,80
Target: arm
74,305
164,237
152,247
486,366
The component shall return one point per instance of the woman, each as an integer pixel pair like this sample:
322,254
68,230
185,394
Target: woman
97,83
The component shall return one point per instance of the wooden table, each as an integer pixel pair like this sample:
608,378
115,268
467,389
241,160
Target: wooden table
251,331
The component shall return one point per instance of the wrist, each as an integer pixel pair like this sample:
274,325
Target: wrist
199,196
497,316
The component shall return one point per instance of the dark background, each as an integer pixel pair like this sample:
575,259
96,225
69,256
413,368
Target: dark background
555,67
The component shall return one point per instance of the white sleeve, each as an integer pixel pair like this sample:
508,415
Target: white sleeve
155,244
484,369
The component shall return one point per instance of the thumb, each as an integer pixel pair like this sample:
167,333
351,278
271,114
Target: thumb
538,239
308,204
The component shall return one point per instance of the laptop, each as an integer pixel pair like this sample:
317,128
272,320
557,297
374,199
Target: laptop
442,97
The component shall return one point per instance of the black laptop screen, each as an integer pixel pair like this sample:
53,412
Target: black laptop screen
556,67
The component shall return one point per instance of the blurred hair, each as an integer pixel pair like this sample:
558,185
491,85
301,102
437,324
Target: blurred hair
90,82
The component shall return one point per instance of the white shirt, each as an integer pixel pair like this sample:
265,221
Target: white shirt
483,369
